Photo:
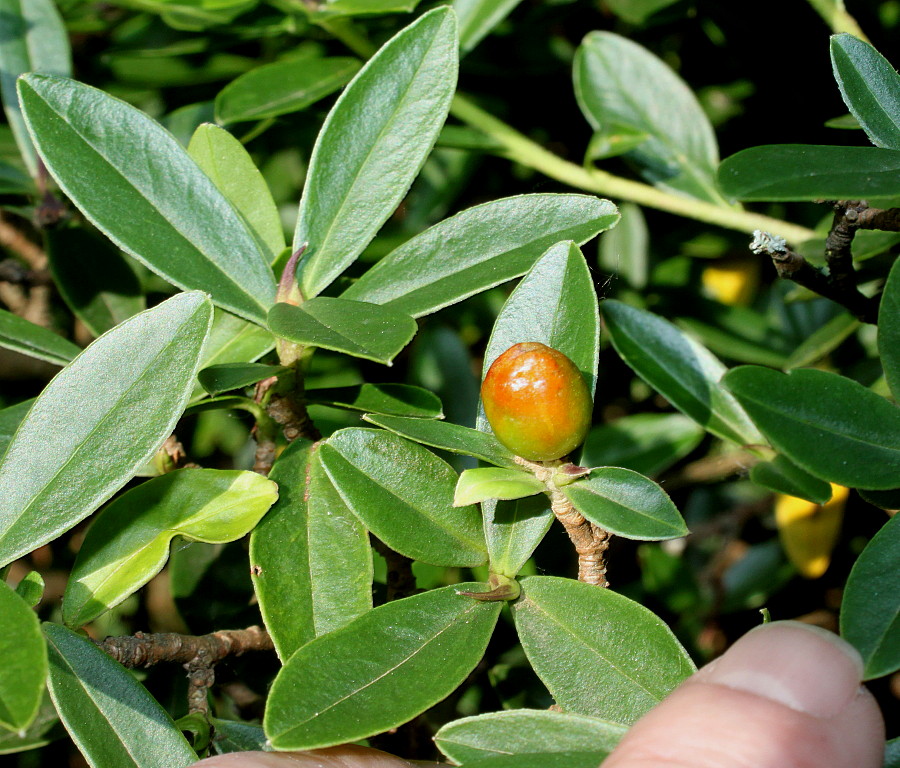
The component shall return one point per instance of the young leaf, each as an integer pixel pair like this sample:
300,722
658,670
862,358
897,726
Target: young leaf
513,530
224,159
618,82
31,588
34,39
129,177
355,328
680,369
478,249
226,377
870,610
828,425
21,335
616,666
626,503
398,400
889,330
310,557
478,17
449,437
281,88
379,671
527,731
98,421
110,716
403,493
870,88
373,144
476,485
783,476
128,542
24,656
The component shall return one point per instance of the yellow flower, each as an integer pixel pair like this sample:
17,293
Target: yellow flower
808,531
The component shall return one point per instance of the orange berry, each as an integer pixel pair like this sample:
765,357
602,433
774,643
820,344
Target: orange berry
537,402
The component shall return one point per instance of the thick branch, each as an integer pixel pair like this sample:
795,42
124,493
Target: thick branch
591,541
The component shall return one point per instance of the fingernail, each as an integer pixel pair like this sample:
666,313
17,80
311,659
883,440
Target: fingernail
801,666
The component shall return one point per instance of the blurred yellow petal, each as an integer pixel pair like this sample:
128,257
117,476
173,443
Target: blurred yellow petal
809,532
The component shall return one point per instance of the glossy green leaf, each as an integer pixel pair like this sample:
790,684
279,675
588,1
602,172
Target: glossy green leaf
822,341
889,330
380,671
356,328
870,610
566,759
870,88
599,653
680,369
130,177
390,399
449,437
236,736
648,443
33,38
626,503
828,425
98,421
783,476
223,158
513,530
478,17
23,336
403,493
526,731
282,87
373,144
889,500
620,83
31,588
110,716
226,377
10,418
625,249
477,485
310,557
478,249
128,542
806,172
24,661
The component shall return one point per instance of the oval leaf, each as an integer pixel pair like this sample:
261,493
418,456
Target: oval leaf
98,421
128,542
25,337
380,671
477,485
616,666
110,716
478,17
390,399
828,425
566,759
889,330
230,376
373,144
24,656
130,178
783,476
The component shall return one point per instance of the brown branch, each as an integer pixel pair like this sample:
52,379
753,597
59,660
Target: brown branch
13,239
286,407
883,219
401,581
197,654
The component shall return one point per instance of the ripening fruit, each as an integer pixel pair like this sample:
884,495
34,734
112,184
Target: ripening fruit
537,402
808,531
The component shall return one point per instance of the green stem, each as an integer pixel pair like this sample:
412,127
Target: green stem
521,149
343,30
257,130
836,17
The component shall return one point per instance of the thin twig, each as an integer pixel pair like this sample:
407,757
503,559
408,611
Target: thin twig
401,581
13,239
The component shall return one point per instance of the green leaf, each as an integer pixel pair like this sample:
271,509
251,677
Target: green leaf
403,493
380,671
648,443
637,11
355,328
224,159
337,8
541,760
625,249
128,542
43,729
889,330
620,83
527,731
31,588
478,17
892,753
783,476
94,278
823,341
806,172
449,437
226,377
129,176
10,418
24,661
477,485
310,557
389,399
680,369
98,421
870,610
889,500
373,144
616,666
33,38
478,249
21,335
282,87
870,88
236,736
828,425
110,716
626,503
